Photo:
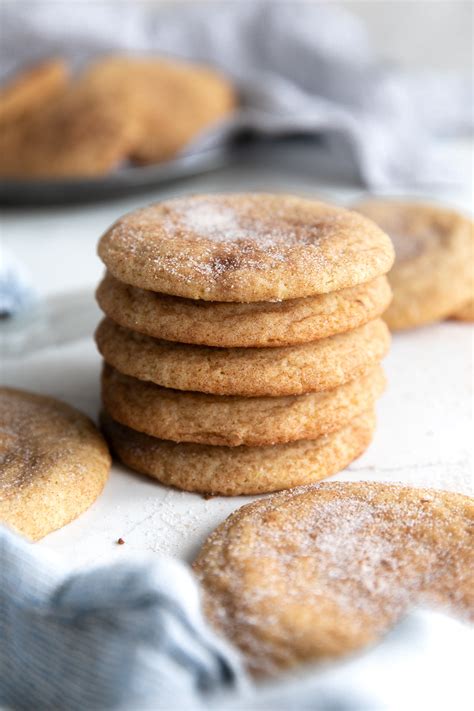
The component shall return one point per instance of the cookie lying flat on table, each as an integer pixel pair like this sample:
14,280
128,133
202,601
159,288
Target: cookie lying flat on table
232,421
174,100
321,571
54,462
433,276
245,248
231,325
31,89
232,471
249,372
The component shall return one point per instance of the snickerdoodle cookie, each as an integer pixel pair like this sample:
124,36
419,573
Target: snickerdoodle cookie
233,325
231,471
82,132
31,89
173,100
53,462
324,570
433,275
245,247
251,372
466,313
230,420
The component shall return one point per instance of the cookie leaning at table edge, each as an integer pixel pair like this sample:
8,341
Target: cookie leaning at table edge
54,462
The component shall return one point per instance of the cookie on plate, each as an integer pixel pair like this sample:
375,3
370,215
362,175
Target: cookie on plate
83,132
54,462
245,248
433,275
232,471
175,100
249,372
324,570
261,324
31,89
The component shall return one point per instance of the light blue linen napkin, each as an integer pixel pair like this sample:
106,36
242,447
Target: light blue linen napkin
126,635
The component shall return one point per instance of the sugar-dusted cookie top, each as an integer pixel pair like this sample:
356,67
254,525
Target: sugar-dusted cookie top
245,247
323,570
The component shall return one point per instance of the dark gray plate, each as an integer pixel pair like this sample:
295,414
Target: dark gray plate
127,180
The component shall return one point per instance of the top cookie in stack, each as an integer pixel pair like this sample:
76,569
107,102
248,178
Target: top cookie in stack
242,339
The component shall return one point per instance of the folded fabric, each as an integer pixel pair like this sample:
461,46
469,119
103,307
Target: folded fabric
126,635
130,635
301,68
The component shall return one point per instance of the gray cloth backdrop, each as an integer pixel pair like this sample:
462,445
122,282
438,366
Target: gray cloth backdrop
301,68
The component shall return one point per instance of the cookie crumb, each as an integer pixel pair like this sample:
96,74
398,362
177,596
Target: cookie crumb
120,541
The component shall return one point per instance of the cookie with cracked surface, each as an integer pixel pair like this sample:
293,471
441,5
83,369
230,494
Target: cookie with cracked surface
176,100
232,325
234,471
324,570
54,462
249,372
433,276
233,421
245,248
31,88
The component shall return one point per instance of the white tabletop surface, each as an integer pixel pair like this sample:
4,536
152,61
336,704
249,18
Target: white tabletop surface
424,433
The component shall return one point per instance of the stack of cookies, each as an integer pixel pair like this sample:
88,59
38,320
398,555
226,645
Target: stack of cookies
242,340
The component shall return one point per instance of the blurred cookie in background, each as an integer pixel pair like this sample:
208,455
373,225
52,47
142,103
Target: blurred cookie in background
119,110
466,313
83,132
433,274
176,101
31,88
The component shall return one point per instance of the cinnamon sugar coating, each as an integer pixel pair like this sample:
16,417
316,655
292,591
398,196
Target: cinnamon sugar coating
323,570
53,462
245,248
